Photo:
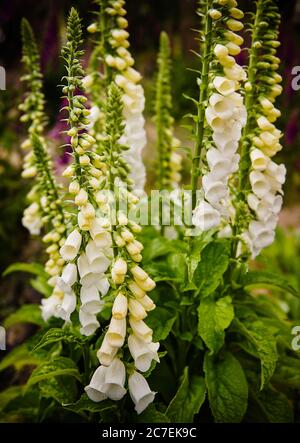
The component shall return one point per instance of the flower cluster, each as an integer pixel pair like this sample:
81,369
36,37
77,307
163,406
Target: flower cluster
87,249
33,115
169,161
225,116
262,138
130,283
118,67
45,210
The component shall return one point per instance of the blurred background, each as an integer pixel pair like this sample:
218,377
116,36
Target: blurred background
146,19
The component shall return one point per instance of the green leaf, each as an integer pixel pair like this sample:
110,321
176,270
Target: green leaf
18,357
9,394
53,368
261,342
55,335
63,389
287,373
214,317
261,279
209,272
84,404
25,314
161,320
227,387
151,415
187,400
198,244
267,405
31,268
41,286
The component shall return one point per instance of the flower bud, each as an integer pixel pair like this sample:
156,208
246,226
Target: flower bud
74,187
81,198
119,310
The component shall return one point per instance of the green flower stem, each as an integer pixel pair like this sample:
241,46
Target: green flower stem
202,102
249,103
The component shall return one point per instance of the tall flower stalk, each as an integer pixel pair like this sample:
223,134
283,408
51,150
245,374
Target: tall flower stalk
130,283
46,207
261,179
33,116
87,249
169,161
112,50
220,119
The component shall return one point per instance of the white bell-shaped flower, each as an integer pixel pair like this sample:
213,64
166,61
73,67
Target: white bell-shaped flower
94,389
90,300
205,216
216,122
100,234
67,306
142,353
119,309
259,183
214,190
99,263
221,106
68,277
89,323
223,85
106,353
116,332
140,392
114,379
72,245
218,164
103,285
259,160
50,306
140,329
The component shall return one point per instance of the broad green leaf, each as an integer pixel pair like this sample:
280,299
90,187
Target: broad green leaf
63,389
267,405
198,244
31,268
55,335
187,400
227,387
9,394
161,320
287,373
25,314
18,357
84,404
214,316
209,272
53,368
261,343
262,279
151,415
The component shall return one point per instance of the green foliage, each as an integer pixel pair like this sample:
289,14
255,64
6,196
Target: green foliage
56,367
214,318
262,279
260,342
55,335
209,272
25,314
188,399
227,387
